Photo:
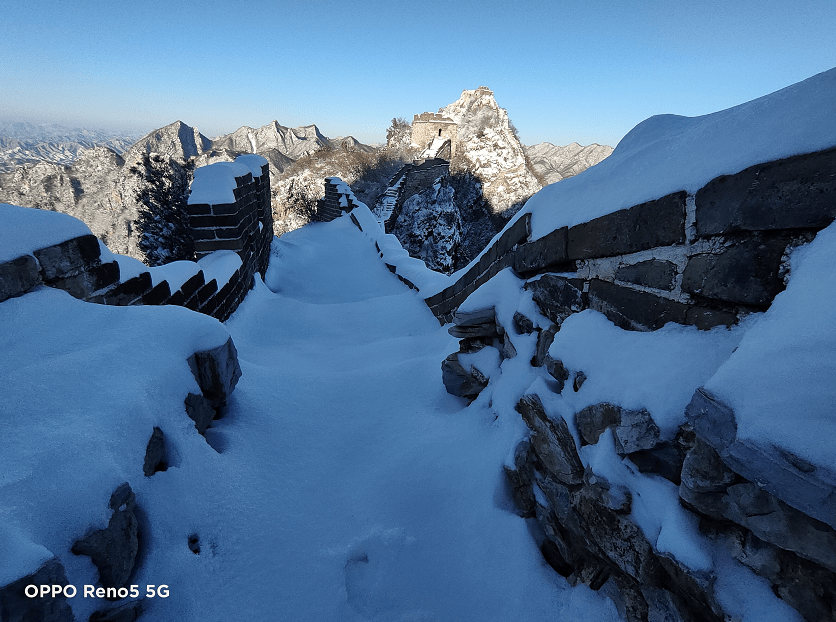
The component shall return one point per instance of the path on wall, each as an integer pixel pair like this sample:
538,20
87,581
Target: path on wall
351,486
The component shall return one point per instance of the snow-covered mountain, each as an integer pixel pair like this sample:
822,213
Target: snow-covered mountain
553,163
95,183
28,143
292,142
491,150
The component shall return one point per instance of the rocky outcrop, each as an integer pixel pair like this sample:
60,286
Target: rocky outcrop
553,163
590,535
430,226
490,149
217,372
16,606
113,549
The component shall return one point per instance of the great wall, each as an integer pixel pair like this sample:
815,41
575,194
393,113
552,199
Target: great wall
705,258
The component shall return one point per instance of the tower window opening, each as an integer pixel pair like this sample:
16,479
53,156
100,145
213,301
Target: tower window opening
439,132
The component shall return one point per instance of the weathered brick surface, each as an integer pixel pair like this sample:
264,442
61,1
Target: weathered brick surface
634,310
128,292
793,193
651,273
547,252
89,280
67,257
158,295
557,296
744,273
648,225
18,276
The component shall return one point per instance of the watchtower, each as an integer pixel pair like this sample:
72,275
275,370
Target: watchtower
431,128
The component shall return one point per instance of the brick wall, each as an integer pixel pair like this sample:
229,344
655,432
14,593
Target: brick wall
338,199
704,259
76,265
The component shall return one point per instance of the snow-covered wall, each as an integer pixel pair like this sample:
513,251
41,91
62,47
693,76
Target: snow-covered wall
232,239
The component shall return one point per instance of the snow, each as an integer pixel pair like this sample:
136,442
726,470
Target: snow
658,371
220,266
213,184
83,387
343,483
25,229
252,161
20,555
746,596
502,292
780,381
655,508
668,153
175,273
425,280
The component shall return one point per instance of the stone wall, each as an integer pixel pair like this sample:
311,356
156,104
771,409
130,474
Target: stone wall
704,259
237,226
338,199
498,256
417,177
429,125
77,266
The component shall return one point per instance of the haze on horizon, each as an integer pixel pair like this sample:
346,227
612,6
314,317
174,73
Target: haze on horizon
564,72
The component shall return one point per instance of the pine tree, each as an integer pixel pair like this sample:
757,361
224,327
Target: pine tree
163,224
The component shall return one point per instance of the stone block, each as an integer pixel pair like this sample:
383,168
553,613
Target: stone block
126,293
523,324
557,371
636,431
547,252
113,549
208,246
230,220
210,306
793,193
747,272
641,227
216,371
198,209
557,296
177,299
200,410
89,280
15,606
651,273
808,488
552,441
158,295
225,209
545,338
458,381
206,291
200,235
18,276
593,420
193,303
155,454
706,318
631,309
67,257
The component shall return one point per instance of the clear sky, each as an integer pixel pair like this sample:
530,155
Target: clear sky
565,71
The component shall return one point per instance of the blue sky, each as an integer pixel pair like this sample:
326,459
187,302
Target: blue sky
565,71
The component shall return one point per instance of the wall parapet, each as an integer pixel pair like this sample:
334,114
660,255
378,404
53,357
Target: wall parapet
241,230
703,259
